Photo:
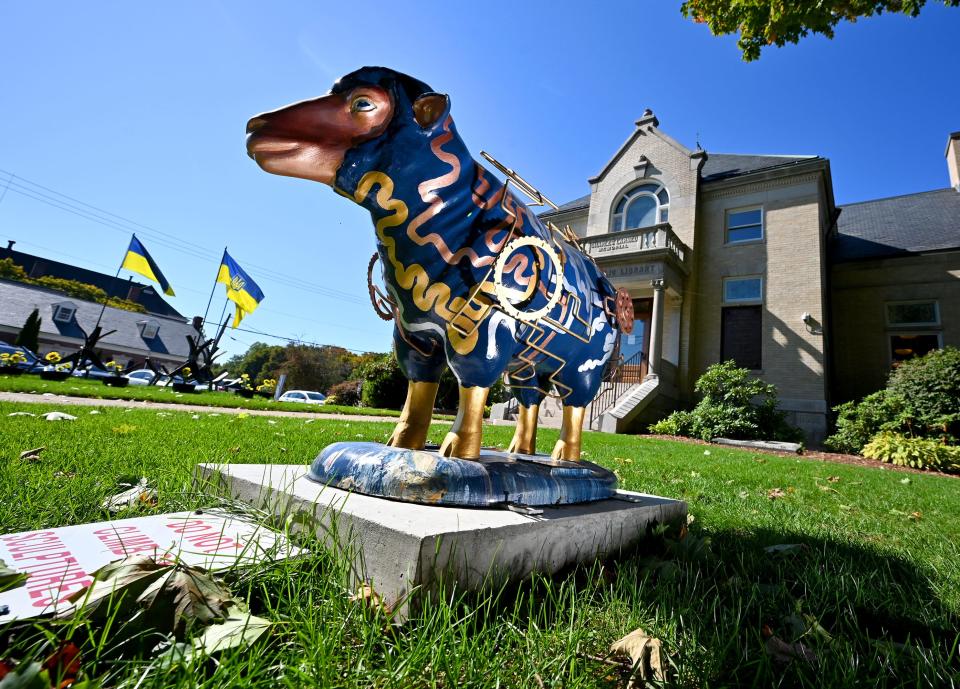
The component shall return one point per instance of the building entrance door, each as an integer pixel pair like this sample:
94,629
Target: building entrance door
637,342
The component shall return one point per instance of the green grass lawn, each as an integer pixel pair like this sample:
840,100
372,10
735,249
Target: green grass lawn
83,387
878,570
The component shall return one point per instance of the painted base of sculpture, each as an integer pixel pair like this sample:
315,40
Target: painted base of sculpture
427,477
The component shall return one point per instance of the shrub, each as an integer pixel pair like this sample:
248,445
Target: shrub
919,453
930,389
858,422
734,405
72,288
921,400
346,393
678,423
12,271
384,385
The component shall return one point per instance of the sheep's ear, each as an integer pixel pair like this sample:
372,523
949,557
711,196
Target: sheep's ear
429,108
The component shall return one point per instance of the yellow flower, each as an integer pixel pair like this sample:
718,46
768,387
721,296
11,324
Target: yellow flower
53,357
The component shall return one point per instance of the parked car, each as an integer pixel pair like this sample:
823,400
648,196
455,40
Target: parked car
87,372
143,376
303,396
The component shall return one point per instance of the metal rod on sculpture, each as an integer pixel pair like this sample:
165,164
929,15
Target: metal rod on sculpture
212,290
523,184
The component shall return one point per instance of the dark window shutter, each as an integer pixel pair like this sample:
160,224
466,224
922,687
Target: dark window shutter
741,336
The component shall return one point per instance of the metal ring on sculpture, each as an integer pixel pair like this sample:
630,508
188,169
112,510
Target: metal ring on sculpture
624,307
379,300
503,292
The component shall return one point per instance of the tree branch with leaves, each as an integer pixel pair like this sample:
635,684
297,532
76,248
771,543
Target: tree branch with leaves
776,22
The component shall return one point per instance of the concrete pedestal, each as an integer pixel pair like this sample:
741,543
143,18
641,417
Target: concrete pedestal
403,549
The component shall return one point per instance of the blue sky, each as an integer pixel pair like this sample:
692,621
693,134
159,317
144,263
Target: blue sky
139,109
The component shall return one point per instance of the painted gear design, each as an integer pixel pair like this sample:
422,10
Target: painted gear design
504,293
624,306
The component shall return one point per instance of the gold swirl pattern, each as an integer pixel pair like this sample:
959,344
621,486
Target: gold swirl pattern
414,279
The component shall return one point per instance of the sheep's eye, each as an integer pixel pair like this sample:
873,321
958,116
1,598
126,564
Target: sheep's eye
362,104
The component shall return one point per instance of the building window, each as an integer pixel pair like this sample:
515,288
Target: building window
742,290
642,206
921,317
741,336
913,313
740,330
63,313
744,225
148,329
905,346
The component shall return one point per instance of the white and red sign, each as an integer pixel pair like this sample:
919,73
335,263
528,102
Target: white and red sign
61,561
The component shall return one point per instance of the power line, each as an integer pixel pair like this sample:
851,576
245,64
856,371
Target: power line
105,218
297,340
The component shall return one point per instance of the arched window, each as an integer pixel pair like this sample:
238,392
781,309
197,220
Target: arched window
641,206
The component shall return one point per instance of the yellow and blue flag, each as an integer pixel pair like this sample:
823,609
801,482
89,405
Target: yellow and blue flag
241,289
139,261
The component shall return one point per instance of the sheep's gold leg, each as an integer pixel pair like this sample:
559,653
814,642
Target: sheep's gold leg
411,431
568,446
525,437
464,439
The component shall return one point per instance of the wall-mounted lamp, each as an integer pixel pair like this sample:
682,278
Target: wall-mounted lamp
813,326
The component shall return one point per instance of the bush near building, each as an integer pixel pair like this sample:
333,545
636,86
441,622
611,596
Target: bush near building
734,404
346,393
920,403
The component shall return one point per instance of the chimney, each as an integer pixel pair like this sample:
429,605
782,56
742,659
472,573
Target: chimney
953,159
197,323
10,243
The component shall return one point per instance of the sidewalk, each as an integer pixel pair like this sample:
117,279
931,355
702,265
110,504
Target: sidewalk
48,398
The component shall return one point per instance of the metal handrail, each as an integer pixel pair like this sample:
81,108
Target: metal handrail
624,374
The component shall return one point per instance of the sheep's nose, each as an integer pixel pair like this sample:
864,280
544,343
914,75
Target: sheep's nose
255,123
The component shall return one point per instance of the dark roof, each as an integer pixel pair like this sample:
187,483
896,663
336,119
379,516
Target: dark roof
913,223
724,165
576,204
718,166
146,295
17,300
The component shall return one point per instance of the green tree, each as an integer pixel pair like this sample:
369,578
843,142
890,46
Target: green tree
252,361
774,22
313,368
29,335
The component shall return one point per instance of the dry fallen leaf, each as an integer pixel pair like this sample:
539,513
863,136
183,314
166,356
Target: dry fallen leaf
58,416
63,665
833,479
646,652
11,578
32,455
138,495
783,653
783,548
775,493
366,594
916,516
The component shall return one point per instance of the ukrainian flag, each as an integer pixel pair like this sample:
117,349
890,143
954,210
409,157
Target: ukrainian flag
241,289
139,261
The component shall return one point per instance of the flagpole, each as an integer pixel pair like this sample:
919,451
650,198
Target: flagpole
213,289
115,277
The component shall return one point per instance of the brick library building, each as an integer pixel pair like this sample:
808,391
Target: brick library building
747,257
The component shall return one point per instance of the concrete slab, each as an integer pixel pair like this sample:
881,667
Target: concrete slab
406,550
778,445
